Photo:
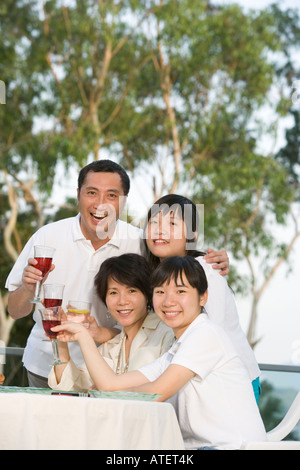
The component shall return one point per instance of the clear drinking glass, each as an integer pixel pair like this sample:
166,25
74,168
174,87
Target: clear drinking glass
78,311
43,255
53,295
52,317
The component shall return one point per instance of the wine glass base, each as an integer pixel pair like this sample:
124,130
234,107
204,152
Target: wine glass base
35,301
58,363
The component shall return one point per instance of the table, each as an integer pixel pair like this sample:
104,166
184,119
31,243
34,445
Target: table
40,421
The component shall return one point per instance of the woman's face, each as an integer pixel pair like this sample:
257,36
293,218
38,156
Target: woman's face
178,304
166,235
127,305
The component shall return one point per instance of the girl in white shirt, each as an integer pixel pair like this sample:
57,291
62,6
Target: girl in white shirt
202,371
172,230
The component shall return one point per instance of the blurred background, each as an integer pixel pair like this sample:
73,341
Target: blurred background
197,98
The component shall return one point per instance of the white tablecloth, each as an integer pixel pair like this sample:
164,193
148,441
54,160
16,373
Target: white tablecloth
60,422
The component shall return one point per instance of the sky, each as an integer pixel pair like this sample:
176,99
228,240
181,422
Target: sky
279,310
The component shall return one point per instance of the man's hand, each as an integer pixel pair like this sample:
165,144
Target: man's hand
18,300
31,275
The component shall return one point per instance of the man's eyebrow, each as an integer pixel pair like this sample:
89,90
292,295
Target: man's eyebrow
113,190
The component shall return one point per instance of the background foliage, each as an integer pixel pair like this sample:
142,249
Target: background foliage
190,94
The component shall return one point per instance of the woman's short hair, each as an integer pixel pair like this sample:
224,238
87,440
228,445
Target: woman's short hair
129,269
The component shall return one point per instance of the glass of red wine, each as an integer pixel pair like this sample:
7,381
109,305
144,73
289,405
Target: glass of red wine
53,295
52,317
43,255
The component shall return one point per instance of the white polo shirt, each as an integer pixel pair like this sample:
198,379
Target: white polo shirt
221,309
76,264
217,406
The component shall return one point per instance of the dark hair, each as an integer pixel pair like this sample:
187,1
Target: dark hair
174,268
187,210
129,269
105,166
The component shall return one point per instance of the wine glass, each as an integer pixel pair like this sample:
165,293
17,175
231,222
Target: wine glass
78,310
52,317
53,295
43,255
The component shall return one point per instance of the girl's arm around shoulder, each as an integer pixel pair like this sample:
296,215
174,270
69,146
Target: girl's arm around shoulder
221,306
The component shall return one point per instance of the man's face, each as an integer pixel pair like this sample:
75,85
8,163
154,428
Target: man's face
100,200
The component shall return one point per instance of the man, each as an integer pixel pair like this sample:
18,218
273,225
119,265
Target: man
82,243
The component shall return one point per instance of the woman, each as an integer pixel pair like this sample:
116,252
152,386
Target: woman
171,230
122,283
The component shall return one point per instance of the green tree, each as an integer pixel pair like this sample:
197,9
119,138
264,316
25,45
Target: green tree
170,87
289,155
68,72
248,192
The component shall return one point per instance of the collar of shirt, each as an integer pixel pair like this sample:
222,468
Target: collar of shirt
78,235
151,321
116,344
176,345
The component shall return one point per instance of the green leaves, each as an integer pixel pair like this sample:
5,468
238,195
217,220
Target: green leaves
140,79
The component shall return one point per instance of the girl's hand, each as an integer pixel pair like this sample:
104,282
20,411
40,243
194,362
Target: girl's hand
69,332
219,260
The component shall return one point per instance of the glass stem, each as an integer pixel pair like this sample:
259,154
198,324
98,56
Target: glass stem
37,289
55,350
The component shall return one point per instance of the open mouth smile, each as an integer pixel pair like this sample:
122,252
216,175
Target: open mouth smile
124,313
171,314
160,241
99,217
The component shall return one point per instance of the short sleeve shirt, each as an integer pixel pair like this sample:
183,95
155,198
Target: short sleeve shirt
217,406
76,264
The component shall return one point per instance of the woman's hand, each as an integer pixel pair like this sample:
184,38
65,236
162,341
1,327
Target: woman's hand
93,327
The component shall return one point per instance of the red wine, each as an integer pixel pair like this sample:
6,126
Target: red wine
44,265
48,324
52,303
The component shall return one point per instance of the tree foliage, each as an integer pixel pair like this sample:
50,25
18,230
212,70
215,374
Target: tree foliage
176,88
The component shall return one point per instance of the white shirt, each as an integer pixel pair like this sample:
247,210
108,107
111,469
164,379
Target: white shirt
76,264
217,406
221,309
152,340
